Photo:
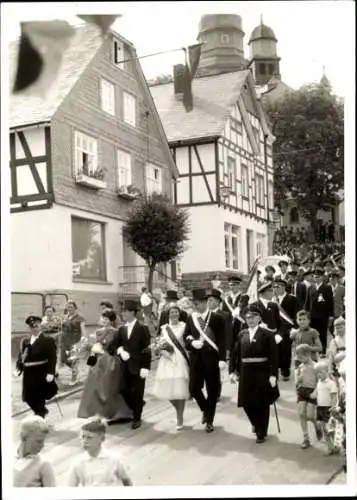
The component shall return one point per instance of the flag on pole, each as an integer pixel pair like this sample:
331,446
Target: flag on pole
192,60
42,45
252,286
103,22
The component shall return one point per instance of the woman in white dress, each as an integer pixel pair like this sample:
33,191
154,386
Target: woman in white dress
172,375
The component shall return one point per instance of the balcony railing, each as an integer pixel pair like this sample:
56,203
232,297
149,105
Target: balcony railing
133,278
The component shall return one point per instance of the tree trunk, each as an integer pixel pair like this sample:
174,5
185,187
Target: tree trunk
313,222
151,276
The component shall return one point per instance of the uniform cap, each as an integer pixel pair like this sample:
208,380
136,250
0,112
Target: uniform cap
279,281
266,286
283,261
234,279
253,310
32,320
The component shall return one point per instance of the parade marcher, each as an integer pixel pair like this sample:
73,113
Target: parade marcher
205,340
269,273
232,300
37,363
288,309
239,322
132,344
283,264
96,466
320,302
269,311
30,470
173,372
306,335
255,363
337,344
100,394
73,329
338,292
171,298
298,288
306,382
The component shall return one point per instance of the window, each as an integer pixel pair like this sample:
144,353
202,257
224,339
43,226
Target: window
224,39
259,179
260,244
271,69
294,216
129,108
271,194
269,150
118,54
107,96
88,250
86,155
124,169
232,175
262,68
153,179
232,245
236,125
244,181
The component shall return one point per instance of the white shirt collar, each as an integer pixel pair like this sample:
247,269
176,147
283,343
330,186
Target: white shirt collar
202,315
264,301
281,297
131,325
252,332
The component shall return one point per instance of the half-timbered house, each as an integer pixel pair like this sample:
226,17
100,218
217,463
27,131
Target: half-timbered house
223,151
78,158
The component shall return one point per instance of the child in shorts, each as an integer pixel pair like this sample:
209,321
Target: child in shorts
306,335
97,467
326,395
306,382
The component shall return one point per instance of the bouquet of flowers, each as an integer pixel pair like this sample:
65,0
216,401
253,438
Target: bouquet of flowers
163,346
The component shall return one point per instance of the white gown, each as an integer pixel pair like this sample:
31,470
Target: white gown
172,374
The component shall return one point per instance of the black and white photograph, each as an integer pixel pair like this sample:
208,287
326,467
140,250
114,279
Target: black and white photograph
178,249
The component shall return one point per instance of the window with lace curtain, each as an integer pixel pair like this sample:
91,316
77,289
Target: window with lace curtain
124,169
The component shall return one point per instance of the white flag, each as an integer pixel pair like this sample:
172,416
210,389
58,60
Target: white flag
252,289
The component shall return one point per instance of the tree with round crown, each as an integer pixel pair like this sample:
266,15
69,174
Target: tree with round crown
156,230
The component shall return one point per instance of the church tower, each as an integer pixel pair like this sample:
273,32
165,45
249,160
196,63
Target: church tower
223,49
263,58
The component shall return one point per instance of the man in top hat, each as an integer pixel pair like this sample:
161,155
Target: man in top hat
320,306
288,307
338,292
255,364
171,298
283,264
269,311
132,344
235,290
37,362
204,338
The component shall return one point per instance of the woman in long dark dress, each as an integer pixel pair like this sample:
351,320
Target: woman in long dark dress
101,391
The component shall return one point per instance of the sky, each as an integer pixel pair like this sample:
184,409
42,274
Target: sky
312,35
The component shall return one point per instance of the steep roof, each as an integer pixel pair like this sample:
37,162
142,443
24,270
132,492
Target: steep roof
213,99
26,109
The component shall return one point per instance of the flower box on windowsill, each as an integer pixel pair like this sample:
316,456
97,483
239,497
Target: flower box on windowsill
128,193
91,182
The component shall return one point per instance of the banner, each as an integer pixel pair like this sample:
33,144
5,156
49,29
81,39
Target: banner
252,287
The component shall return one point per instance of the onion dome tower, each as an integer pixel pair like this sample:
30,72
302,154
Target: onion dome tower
263,57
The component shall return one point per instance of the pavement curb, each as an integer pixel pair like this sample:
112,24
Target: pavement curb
335,474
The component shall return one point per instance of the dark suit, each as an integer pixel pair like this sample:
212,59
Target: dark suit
320,310
204,363
338,296
255,394
290,305
299,290
164,318
138,347
34,385
233,303
270,315
227,334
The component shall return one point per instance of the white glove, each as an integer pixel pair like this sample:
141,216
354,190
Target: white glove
16,373
97,348
49,377
144,372
278,338
123,354
272,381
222,365
197,344
233,378
235,313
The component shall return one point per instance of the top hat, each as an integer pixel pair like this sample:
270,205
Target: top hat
199,294
32,320
266,286
171,295
253,310
269,268
215,294
131,305
234,279
283,261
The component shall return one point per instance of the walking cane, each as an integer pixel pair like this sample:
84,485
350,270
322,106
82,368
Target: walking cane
276,416
58,406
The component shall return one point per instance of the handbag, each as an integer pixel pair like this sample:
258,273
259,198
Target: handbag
92,360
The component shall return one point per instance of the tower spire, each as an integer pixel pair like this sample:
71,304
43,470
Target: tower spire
261,18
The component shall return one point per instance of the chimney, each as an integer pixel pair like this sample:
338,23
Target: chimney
179,81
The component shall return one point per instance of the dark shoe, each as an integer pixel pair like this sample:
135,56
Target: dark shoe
136,424
253,430
209,428
305,444
319,434
260,440
204,419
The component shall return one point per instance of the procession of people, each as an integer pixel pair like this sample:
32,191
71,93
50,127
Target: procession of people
285,332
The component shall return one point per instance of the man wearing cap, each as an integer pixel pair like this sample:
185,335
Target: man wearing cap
288,308
132,344
37,362
269,311
232,300
298,287
255,363
320,306
283,264
171,298
338,292
204,338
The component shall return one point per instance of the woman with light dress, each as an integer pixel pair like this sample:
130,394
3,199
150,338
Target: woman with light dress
172,375
30,470
101,391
